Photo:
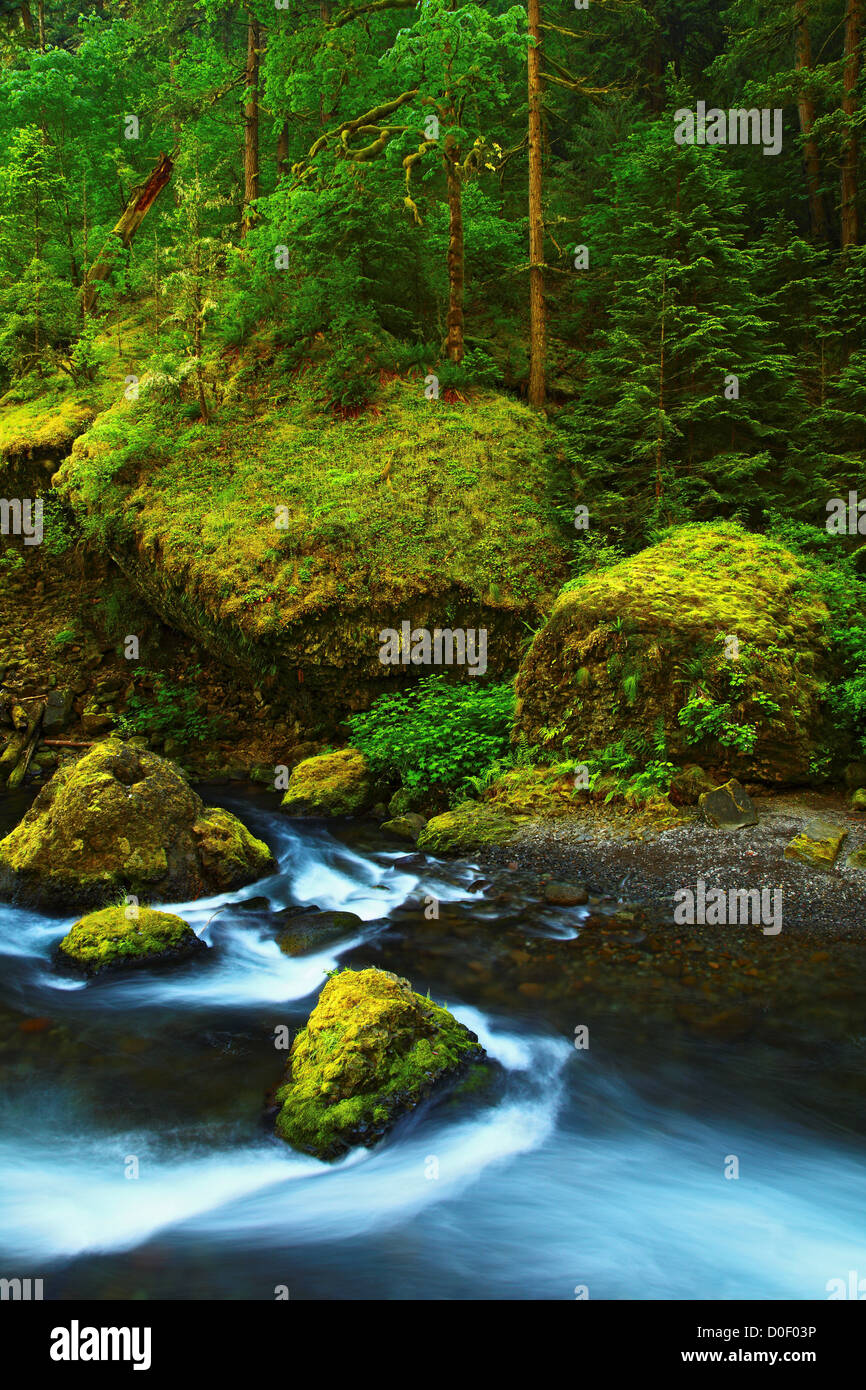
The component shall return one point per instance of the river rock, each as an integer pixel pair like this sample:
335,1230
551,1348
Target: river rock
469,826
858,800
565,894
689,784
313,930
372,1050
117,937
58,711
120,820
857,860
817,844
408,827
330,784
728,807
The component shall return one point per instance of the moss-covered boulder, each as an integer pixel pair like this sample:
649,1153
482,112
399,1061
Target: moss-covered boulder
122,820
371,1051
330,784
120,937
438,514
470,826
711,642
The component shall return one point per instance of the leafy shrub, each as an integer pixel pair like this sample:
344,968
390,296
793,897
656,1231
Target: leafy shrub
170,711
438,733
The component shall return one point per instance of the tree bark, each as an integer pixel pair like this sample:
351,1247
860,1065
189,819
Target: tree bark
456,258
252,187
127,225
806,113
851,72
537,325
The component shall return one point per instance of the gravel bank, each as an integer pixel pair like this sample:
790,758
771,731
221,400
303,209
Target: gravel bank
603,850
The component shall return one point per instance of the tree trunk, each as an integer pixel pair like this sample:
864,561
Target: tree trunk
251,126
456,261
851,72
127,225
806,112
41,13
537,326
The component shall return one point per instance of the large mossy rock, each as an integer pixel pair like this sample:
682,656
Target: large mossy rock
330,784
120,937
627,648
371,1051
121,820
434,513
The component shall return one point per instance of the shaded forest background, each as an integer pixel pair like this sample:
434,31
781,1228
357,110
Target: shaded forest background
354,193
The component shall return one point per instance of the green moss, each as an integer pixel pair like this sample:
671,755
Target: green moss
117,936
330,784
372,1049
638,655
47,425
470,826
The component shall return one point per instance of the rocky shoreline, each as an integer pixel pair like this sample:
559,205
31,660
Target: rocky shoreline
607,850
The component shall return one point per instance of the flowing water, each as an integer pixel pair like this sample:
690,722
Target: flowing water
599,1168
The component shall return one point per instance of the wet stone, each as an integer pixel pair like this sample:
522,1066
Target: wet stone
728,807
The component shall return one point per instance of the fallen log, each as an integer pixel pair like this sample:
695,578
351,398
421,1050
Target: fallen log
67,743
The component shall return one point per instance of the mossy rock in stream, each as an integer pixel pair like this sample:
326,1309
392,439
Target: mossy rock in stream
120,820
120,937
372,1050
712,641
330,784
470,826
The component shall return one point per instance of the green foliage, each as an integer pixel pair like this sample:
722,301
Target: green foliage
438,734
166,711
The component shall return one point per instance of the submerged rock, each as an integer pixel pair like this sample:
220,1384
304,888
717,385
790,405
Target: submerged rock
817,844
314,930
565,894
330,784
371,1051
120,937
121,820
728,807
469,826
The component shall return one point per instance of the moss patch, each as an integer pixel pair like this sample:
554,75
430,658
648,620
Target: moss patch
372,1050
470,826
119,936
330,784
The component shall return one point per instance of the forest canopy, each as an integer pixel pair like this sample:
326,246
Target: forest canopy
485,195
